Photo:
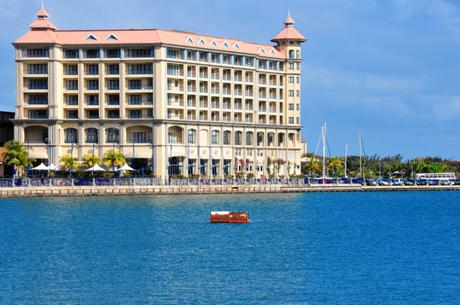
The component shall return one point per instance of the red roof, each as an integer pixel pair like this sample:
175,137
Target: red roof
289,32
147,36
42,13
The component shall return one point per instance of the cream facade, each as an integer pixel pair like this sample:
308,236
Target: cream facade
173,102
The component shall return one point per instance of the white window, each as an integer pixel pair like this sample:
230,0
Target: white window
189,40
112,37
201,41
225,44
213,43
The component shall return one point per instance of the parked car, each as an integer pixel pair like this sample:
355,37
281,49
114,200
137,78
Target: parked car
384,182
371,182
409,182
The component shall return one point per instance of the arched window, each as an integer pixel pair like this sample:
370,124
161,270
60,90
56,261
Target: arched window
215,137
249,136
112,135
70,135
91,135
191,136
238,136
260,139
227,135
270,139
175,135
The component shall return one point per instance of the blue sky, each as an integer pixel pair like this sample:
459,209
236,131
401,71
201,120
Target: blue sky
386,69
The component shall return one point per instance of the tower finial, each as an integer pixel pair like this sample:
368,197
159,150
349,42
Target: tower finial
43,7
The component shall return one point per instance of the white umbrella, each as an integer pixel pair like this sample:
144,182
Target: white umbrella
95,168
41,167
126,167
53,168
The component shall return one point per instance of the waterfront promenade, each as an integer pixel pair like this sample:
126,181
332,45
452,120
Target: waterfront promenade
150,189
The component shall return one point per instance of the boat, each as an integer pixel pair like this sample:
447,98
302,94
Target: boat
229,217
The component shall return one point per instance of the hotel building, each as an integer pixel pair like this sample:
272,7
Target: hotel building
177,103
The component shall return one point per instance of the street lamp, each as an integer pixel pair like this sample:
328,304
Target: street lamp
72,140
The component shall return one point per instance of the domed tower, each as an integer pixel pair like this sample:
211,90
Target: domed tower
42,22
288,42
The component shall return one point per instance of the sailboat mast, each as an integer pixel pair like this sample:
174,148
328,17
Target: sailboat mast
323,133
346,156
360,156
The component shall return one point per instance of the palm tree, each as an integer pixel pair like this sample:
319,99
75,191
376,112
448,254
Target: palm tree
16,155
114,158
67,162
314,165
90,160
335,163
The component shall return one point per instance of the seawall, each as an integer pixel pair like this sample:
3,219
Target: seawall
70,191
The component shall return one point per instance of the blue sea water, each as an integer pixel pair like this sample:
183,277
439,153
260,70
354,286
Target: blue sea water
313,248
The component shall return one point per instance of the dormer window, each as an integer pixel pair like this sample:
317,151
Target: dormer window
189,40
213,43
225,44
236,46
91,37
261,51
272,51
201,41
112,37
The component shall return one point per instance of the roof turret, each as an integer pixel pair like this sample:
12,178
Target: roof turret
42,22
289,33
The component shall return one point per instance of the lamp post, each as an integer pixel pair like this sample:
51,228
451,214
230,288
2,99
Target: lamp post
112,138
71,154
153,157
92,138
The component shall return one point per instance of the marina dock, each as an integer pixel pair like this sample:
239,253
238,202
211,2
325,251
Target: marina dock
99,190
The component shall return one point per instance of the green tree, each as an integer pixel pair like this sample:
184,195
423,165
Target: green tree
90,160
335,164
113,158
313,166
67,162
16,155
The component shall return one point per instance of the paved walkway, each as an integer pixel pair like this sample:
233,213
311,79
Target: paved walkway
65,191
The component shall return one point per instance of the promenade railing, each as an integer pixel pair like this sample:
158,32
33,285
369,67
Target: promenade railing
149,181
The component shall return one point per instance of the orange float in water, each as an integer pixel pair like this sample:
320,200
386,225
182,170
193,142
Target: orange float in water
229,217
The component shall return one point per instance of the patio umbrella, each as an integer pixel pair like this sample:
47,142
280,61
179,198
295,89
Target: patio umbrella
53,168
41,167
95,168
126,167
